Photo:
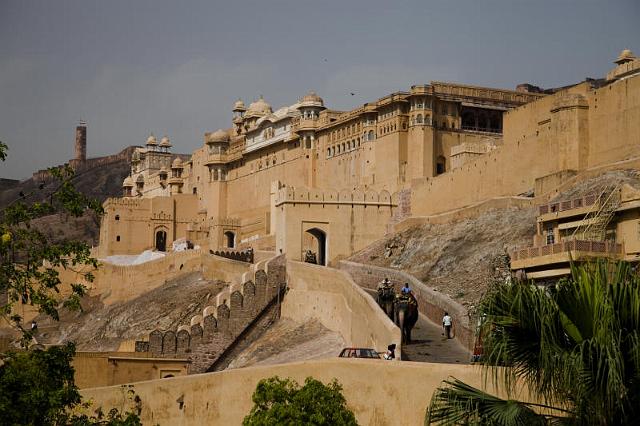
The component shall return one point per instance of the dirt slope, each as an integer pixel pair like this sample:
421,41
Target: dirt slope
103,328
460,259
291,341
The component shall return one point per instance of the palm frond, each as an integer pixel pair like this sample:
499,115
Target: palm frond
456,403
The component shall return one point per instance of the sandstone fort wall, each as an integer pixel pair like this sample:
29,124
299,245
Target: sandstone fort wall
431,303
378,392
331,297
209,334
573,130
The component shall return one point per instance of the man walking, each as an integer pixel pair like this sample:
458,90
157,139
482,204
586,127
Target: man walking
446,324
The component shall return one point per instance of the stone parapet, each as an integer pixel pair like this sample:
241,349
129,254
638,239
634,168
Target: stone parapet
208,335
431,303
293,195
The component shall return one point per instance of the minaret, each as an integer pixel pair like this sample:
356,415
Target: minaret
81,142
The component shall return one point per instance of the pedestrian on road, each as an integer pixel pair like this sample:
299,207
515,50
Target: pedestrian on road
446,324
391,352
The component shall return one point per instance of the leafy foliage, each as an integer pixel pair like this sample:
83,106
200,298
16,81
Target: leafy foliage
30,260
576,347
284,402
37,388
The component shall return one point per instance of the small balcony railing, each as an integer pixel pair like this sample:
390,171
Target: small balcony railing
598,247
560,206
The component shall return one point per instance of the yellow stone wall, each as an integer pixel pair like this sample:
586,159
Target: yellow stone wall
379,392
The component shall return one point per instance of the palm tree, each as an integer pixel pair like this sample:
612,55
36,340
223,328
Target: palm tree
575,346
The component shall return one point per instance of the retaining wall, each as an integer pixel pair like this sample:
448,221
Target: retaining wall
379,392
334,299
431,303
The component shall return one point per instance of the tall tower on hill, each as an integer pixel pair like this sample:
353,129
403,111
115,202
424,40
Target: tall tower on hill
81,142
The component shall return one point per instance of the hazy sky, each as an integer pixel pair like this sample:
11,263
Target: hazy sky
176,67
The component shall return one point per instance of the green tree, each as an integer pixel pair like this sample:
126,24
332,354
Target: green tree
575,346
30,260
37,388
283,402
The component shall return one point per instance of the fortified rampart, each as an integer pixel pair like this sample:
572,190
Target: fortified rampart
431,303
571,131
208,335
331,297
87,164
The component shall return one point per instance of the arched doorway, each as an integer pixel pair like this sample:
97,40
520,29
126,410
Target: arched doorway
320,239
230,239
161,240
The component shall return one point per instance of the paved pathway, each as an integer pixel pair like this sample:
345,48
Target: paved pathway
429,345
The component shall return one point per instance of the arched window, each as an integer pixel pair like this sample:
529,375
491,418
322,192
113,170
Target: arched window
419,119
230,239
117,217
440,165
371,136
328,152
344,149
117,237
338,150
358,141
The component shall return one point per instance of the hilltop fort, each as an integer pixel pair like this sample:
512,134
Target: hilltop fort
291,214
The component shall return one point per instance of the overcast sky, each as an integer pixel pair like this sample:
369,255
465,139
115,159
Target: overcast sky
176,67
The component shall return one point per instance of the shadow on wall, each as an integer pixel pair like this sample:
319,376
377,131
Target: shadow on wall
331,297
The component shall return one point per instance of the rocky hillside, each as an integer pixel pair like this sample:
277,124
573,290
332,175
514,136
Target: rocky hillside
462,259
102,327
99,182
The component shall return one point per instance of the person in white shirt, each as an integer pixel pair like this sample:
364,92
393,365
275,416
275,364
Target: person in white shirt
446,324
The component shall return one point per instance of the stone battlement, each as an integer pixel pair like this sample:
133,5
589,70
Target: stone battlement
318,196
209,334
88,164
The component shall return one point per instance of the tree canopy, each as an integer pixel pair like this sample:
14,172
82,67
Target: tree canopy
37,387
31,260
284,402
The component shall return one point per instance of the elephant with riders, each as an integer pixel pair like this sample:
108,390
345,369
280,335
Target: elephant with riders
401,308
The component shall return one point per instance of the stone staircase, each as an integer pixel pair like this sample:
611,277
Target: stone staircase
209,335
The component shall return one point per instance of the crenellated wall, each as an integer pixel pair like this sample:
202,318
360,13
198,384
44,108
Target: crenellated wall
208,335
333,223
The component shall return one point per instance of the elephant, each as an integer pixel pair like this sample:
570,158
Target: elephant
385,299
406,313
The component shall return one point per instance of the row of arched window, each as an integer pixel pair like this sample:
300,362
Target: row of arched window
343,147
345,131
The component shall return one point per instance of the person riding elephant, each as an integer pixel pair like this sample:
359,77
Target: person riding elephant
406,313
386,296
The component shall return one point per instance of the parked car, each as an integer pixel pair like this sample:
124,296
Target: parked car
359,353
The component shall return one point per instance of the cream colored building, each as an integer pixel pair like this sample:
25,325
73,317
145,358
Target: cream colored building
308,177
